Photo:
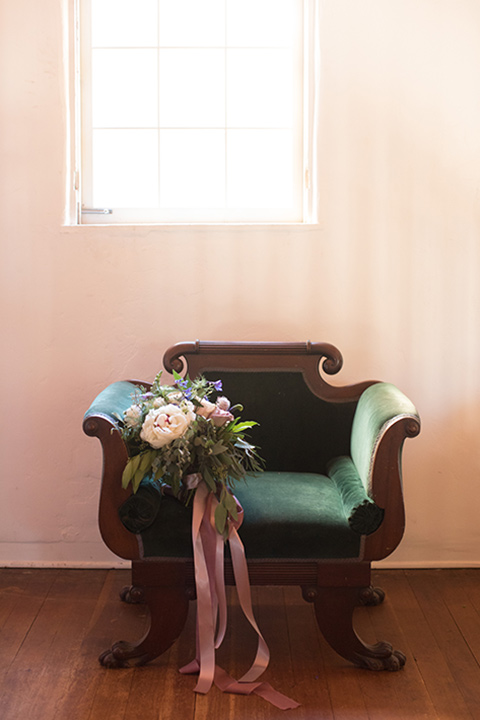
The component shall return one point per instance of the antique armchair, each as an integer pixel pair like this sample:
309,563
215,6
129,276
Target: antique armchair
329,502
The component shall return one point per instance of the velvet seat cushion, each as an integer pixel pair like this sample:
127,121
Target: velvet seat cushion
287,515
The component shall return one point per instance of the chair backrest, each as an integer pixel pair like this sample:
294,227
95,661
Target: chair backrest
296,431
303,421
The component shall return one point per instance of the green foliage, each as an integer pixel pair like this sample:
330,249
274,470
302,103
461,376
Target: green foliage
213,443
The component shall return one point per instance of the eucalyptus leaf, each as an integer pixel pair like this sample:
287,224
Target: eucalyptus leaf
220,518
130,470
230,505
147,458
209,479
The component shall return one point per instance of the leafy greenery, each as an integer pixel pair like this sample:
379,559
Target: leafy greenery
213,443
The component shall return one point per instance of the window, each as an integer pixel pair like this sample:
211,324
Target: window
191,111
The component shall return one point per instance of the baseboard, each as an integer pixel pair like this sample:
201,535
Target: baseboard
126,564
424,564
75,565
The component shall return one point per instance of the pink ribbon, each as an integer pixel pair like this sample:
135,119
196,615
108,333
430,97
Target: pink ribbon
208,553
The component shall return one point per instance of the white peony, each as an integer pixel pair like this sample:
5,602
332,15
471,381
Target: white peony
165,424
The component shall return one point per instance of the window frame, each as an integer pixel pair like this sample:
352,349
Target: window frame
306,104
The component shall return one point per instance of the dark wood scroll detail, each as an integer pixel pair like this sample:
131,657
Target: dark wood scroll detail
371,596
132,595
198,356
386,489
168,612
112,495
163,587
334,607
172,359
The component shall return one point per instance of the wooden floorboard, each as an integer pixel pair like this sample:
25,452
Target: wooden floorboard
54,624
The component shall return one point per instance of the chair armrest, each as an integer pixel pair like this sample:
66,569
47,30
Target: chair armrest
384,418
111,402
363,515
100,421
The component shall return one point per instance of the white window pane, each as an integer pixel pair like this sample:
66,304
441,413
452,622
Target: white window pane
124,88
192,23
259,88
260,166
192,88
260,23
124,23
192,168
125,168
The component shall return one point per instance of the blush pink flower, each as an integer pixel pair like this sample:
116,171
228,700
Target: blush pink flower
220,417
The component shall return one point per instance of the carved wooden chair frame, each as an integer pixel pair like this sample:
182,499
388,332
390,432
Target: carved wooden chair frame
334,588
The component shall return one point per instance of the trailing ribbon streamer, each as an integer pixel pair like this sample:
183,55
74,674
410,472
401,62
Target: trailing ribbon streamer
208,552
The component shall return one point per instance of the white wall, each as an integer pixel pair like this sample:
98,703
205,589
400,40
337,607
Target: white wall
391,275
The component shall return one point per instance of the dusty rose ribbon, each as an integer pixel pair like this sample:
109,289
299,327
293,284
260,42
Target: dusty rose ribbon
208,552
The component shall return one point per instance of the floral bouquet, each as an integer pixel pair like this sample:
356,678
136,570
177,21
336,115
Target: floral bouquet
178,437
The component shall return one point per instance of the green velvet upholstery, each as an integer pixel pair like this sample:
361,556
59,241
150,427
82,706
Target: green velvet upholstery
113,400
378,405
297,431
287,515
312,502
140,510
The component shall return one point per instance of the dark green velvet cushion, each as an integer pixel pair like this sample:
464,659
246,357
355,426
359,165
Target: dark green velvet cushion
287,515
139,511
362,514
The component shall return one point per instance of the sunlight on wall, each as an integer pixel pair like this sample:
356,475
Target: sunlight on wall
391,274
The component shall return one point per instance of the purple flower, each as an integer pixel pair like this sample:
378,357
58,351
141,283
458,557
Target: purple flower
217,385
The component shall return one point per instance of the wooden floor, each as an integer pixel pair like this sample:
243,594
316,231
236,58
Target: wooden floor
54,623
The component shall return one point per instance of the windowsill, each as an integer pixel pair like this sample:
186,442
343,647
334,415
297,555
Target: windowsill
200,227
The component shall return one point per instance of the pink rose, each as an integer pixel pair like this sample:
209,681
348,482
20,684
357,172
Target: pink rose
220,417
205,409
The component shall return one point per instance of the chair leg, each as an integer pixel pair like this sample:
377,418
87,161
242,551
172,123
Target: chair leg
168,608
334,609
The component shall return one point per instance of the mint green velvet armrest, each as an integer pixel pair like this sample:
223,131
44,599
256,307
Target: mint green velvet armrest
363,515
380,406
113,401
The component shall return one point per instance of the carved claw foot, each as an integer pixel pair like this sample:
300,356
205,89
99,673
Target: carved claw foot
123,655
382,657
370,596
132,594
334,608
